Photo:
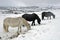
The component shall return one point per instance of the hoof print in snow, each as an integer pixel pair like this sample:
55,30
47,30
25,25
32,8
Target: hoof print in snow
13,36
23,36
44,31
40,33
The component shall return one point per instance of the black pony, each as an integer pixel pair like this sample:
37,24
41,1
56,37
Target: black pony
47,14
32,17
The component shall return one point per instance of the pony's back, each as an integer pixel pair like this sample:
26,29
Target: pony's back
11,21
51,14
29,17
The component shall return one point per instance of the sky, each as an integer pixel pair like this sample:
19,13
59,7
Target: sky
29,2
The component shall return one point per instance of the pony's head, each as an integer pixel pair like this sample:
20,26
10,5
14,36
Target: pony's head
37,17
38,20
43,14
54,16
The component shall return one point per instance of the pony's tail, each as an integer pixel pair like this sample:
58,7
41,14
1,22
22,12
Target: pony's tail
5,27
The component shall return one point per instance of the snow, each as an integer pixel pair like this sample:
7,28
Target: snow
47,30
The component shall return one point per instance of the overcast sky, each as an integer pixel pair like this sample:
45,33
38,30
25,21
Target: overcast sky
29,2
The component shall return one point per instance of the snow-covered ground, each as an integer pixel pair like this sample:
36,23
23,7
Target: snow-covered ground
47,30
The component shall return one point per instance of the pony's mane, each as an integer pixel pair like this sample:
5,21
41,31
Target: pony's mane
36,16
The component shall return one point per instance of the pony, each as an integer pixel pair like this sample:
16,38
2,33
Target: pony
32,17
15,22
47,14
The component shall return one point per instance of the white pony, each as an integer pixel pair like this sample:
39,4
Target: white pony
15,22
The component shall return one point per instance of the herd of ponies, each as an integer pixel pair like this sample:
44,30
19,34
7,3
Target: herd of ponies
22,21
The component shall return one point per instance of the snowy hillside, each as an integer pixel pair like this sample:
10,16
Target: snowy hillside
47,30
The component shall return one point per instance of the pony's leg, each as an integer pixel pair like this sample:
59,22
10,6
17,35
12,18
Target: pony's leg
19,30
47,18
50,17
32,23
42,17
